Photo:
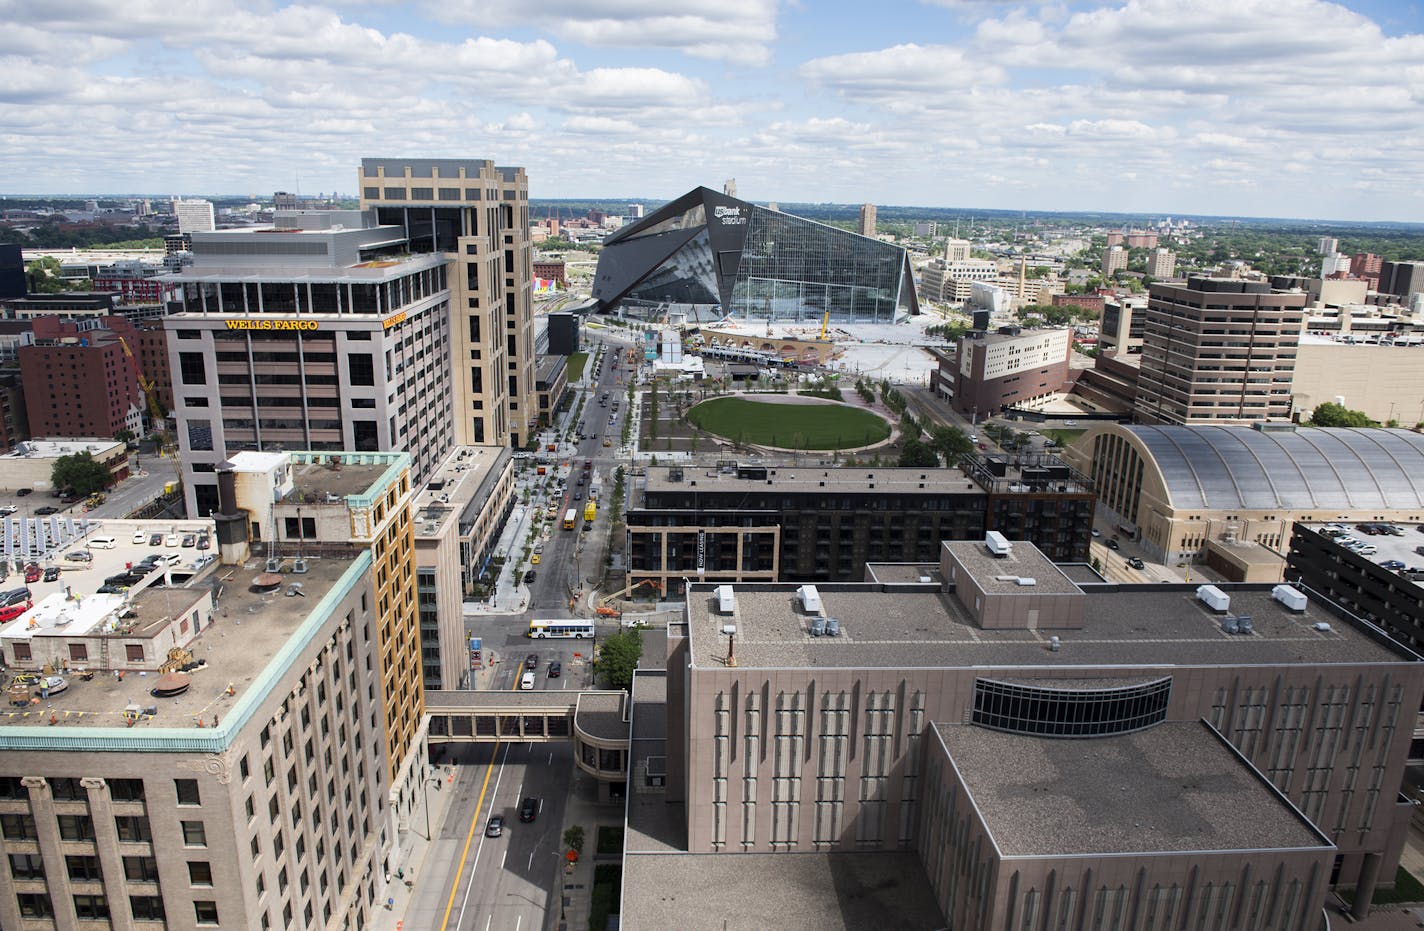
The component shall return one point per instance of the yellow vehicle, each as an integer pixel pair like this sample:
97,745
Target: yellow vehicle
570,518
590,510
534,560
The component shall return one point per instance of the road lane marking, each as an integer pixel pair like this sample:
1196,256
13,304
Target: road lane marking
469,836
459,920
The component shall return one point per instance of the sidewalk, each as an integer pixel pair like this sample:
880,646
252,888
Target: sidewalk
576,885
415,846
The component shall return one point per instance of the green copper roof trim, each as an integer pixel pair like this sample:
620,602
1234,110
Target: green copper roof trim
140,739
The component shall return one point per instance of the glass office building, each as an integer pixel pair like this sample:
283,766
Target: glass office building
706,255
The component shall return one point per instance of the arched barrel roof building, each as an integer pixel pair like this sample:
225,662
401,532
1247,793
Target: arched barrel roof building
1180,486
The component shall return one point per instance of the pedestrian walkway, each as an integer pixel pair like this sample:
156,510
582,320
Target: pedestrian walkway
575,883
418,854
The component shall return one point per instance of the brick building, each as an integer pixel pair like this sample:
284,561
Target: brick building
79,381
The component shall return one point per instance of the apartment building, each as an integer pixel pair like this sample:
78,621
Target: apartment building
1161,263
321,333
1218,350
952,280
475,216
79,379
223,754
1114,260
1010,367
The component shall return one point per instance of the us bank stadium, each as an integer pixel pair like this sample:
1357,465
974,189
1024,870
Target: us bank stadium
706,255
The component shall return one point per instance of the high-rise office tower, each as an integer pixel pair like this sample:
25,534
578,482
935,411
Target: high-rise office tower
194,216
284,200
1217,350
321,333
1327,245
1401,278
867,220
476,215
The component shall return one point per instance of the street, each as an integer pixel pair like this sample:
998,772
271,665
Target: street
478,883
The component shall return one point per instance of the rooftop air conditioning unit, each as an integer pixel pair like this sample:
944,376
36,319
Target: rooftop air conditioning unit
726,600
810,599
1293,598
1213,598
998,544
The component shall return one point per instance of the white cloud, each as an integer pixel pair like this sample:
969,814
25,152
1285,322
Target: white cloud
736,31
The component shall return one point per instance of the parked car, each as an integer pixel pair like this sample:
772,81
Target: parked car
22,492
51,574
80,556
139,536
46,511
556,669
190,539
155,539
529,576
103,543
1136,563
529,810
14,596
204,541
1392,564
8,509
495,826
171,540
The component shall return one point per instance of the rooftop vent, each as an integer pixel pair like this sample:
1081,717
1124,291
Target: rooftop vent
1293,598
810,599
833,627
726,600
1025,581
999,545
1213,598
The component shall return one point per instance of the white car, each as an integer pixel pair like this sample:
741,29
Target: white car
8,509
171,540
140,536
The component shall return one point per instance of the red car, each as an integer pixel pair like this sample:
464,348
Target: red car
33,572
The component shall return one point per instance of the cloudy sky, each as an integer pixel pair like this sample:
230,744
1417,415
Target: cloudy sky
1292,108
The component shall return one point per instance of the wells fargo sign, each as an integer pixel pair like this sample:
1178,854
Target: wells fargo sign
250,324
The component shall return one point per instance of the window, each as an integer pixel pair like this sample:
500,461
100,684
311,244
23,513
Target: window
27,866
200,873
187,791
35,905
76,827
12,788
205,912
191,368
147,908
84,869
141,869
91,907
132,829
67,789
194,834
133,652
361,369
126,790
1066,712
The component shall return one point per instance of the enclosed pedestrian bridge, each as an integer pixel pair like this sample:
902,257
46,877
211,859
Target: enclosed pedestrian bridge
597,722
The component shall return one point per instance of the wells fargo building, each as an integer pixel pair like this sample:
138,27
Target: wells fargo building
322,333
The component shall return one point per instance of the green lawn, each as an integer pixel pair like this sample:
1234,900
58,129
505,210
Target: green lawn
1062,437
790,426
577,361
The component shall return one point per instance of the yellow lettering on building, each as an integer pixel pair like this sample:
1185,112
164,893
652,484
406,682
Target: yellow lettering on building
392,320
251,324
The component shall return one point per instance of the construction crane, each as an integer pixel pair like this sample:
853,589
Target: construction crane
825,322
156,412
603,609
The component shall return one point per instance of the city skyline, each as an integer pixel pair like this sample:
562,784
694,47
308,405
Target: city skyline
1295,109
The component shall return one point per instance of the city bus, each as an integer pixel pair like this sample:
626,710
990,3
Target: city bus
570,517
560,627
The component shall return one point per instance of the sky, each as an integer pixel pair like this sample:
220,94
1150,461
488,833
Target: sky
1289,108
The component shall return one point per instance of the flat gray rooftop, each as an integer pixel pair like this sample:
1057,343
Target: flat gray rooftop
600,714
904,572
998,573
248,630
462,483
1152,627
313,480
1173,788
811,478
786,891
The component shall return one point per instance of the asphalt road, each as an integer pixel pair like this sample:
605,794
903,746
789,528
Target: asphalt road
486,883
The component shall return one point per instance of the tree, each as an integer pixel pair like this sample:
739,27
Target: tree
573,838
80,474
916,454
43,275
952,443
618,657
1331,414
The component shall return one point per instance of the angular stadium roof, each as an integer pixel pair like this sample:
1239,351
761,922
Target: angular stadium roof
1330,467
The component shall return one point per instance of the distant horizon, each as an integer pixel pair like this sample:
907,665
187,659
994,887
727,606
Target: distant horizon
998,212
1292,109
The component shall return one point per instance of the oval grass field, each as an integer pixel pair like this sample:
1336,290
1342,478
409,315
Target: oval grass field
789,425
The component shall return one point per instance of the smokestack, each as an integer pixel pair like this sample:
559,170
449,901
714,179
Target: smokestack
231,520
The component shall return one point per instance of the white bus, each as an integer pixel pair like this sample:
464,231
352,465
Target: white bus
560,627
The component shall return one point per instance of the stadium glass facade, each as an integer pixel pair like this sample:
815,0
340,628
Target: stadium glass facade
706,255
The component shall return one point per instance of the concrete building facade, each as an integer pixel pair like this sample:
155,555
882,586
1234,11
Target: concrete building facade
1114,260
1217,350
866,226
1161,263
194,216
476,216
321,333
1010,367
